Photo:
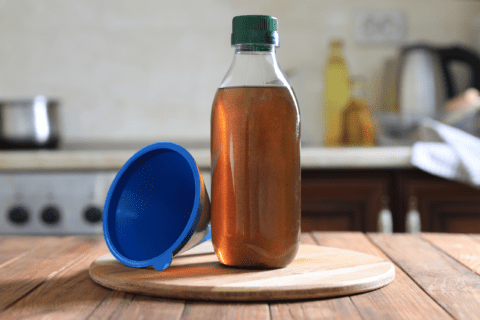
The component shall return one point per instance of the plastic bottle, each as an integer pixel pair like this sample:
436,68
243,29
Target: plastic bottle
337,93
255,152
385,219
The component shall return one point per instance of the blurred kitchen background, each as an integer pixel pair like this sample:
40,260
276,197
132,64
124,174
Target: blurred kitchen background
148,70
127,73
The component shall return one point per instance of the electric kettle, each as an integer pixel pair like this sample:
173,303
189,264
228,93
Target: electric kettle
424,80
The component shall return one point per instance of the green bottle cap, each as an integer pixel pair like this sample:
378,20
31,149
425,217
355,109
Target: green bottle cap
255,29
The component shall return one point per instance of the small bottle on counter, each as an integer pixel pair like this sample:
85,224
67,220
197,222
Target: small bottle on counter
357,122
255,152
385,219
412,220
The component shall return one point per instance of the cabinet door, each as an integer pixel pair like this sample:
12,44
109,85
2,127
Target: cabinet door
444,206
342,200
456,216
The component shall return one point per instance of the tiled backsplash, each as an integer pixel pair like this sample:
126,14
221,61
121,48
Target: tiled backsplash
134,70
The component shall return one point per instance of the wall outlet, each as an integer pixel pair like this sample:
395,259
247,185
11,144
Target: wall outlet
380,26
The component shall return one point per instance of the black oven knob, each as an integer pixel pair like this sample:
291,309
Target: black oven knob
18,215
51,215
93,214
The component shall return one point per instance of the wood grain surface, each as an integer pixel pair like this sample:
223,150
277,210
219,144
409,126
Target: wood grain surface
401,297
13,248
197,274
436,278
452,285
339,308
461,247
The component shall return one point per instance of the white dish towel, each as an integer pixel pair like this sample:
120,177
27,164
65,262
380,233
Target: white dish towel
447,152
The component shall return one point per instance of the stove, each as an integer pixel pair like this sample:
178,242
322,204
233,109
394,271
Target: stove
62,192
53,203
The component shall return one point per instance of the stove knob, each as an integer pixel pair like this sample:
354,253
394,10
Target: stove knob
51,215
18,215
93,214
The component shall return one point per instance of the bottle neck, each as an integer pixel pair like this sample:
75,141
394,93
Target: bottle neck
254,65
336,51
254,48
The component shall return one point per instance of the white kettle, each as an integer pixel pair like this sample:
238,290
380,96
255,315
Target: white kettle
425,81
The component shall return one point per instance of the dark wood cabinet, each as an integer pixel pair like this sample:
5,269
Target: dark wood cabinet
444,206
350,200
342,200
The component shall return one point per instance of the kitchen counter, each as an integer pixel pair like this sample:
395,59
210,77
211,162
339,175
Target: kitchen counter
437,277
311,158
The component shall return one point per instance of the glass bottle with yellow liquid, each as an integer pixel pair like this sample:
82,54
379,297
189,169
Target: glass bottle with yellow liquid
357,123
337,93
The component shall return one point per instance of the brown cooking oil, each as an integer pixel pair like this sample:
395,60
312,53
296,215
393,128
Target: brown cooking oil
255,150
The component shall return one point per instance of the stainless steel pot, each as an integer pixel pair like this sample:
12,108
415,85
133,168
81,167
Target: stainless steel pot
29,123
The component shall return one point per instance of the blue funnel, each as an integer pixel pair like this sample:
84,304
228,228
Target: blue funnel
156,207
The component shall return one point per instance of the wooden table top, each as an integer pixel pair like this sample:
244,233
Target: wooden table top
437,277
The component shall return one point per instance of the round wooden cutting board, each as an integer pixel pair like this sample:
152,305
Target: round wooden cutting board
197,274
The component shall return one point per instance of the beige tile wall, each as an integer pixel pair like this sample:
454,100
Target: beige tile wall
135,70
